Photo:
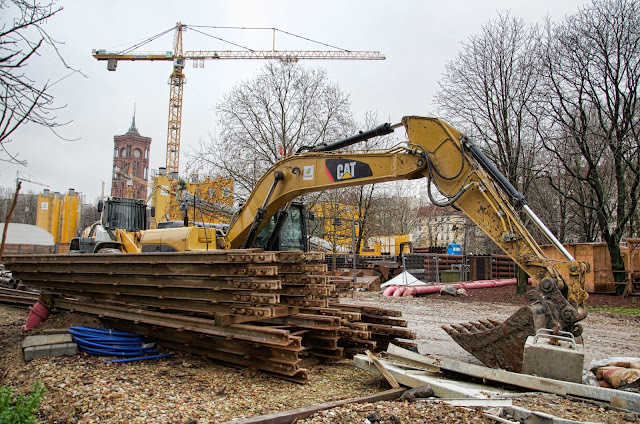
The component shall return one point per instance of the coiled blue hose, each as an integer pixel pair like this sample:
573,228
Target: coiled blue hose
106,342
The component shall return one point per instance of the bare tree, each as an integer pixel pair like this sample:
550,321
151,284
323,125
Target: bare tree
395,211
487,91
26,206
22,99
271,116
590,117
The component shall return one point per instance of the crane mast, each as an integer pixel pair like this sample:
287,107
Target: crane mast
177,78
176,84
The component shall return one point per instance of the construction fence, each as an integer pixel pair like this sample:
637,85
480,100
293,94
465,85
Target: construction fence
433,267
13,249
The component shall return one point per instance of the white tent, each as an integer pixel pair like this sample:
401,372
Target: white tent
26,234
404,279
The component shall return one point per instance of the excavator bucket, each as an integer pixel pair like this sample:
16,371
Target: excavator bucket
495,344
501,345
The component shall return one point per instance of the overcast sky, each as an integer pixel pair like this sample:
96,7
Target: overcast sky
417,38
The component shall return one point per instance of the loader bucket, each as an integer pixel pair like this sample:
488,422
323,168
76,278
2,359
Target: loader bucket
495,344
501,345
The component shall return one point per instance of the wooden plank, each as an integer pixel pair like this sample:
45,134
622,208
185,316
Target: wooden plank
288,417
386,374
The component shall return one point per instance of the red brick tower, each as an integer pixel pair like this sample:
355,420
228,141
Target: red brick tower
130,163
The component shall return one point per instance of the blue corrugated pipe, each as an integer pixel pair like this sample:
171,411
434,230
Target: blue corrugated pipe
105,342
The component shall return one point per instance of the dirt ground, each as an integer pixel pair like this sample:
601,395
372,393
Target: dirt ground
82,389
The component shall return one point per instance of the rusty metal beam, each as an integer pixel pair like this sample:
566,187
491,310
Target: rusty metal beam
249,350
245,332
151,269
214,296
368,310
197,282
308,321
155,258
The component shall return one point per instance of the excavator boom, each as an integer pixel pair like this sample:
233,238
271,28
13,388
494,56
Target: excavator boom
464,179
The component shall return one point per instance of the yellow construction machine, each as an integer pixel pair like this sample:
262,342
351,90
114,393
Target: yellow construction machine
464,178
119,229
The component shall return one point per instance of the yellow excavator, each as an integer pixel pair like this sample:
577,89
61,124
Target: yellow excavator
463,177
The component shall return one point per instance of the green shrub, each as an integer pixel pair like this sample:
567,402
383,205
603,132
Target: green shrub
21,408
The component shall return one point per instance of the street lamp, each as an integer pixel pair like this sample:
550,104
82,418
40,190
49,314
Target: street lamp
337,223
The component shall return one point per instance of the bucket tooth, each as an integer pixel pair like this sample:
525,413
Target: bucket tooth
488,324
469,326
479,326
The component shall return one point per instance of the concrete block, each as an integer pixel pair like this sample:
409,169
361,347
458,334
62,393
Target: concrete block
46,339
59,349
560,362
55,331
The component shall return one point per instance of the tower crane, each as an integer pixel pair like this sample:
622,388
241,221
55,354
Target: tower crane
179,57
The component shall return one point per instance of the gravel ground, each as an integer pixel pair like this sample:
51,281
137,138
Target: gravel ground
81,389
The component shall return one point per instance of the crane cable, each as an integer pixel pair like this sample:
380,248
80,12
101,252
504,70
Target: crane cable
146,41
272,29
192,27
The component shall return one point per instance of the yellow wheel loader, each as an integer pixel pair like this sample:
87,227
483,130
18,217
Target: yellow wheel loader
118,230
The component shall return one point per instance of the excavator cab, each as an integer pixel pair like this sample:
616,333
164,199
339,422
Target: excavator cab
291,236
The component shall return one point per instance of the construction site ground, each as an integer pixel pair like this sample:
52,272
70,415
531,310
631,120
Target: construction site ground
82,389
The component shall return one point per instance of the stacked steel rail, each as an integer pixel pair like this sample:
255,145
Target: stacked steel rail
265,310
17,297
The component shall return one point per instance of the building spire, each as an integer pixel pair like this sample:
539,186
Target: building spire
133,122
133,129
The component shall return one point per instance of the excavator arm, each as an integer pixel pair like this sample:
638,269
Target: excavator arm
463,178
